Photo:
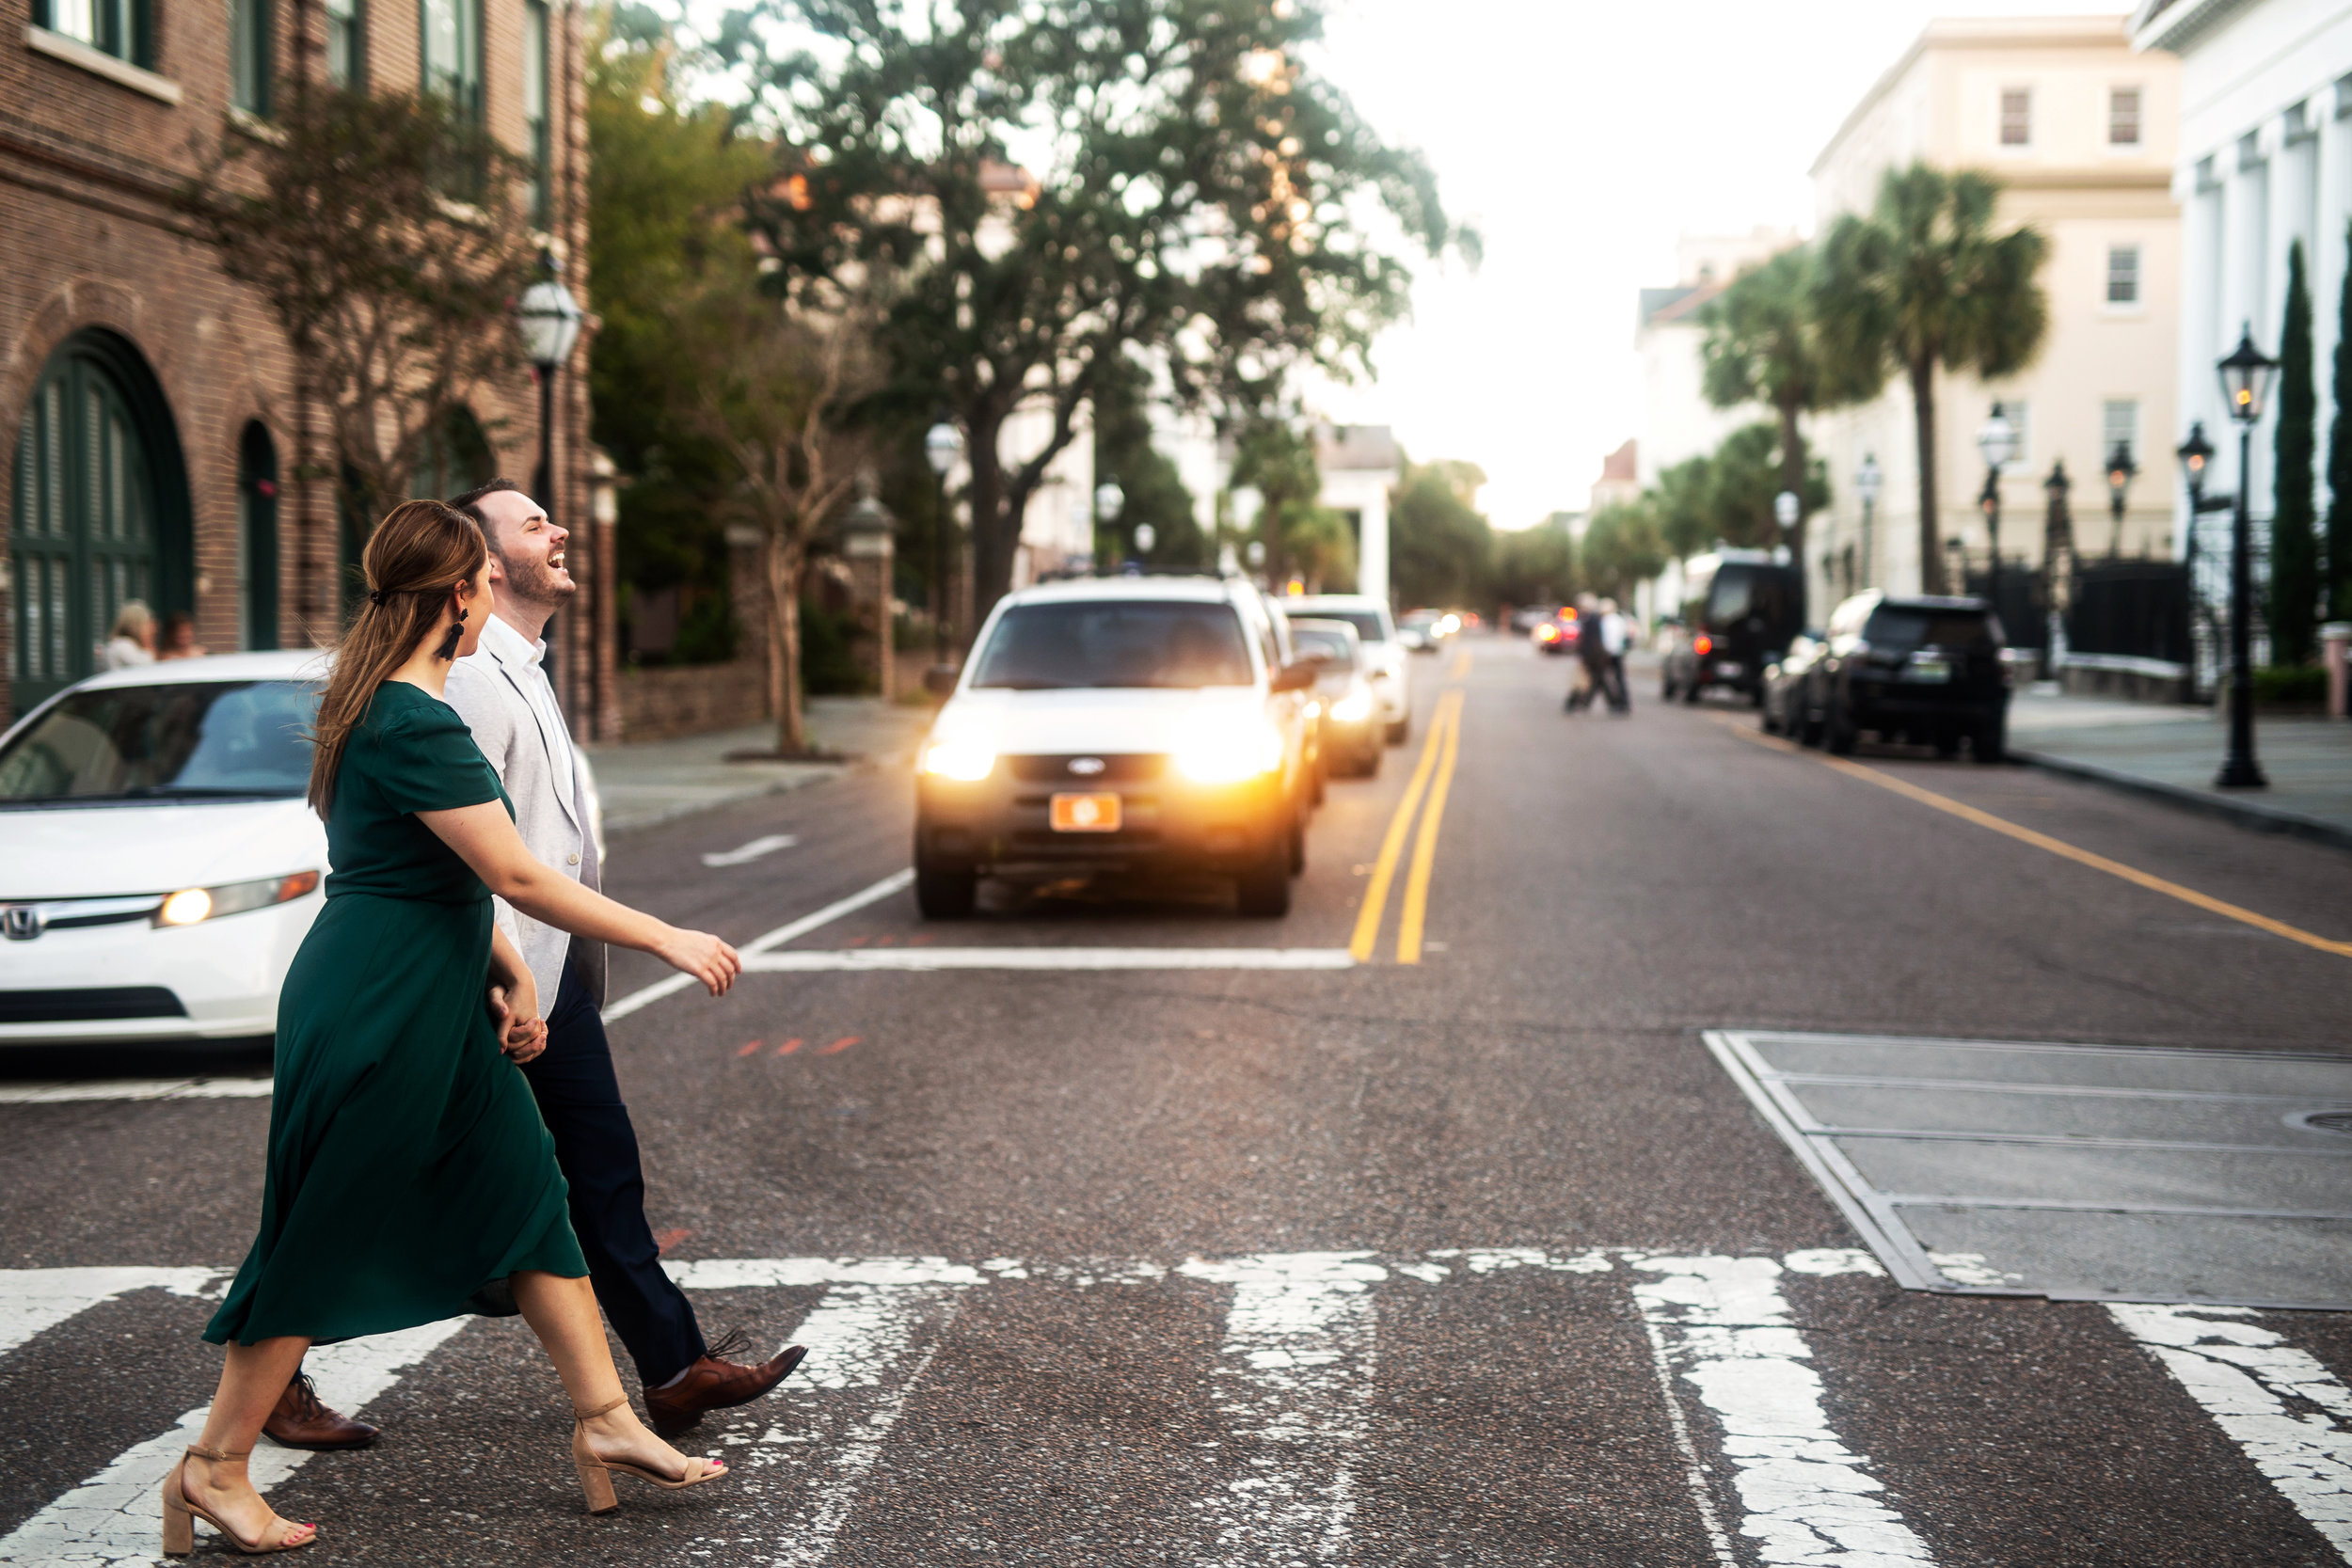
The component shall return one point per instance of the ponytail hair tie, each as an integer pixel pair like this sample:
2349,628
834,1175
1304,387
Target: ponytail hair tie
378,595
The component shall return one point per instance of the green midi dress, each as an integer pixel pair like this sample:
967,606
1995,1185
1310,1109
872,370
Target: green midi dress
408,1163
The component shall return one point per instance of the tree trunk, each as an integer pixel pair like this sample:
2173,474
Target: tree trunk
784,646
994,535
1923,416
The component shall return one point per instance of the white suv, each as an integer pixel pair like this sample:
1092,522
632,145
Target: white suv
1382,650
1143,724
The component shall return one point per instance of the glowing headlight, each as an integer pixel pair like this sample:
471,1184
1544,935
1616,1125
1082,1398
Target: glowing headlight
1314,711
964,761
1353,708
1231,758
191,904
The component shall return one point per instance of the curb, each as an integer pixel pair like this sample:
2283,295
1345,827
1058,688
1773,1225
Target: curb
2246,814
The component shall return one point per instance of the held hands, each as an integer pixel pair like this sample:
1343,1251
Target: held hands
704,957
522,1035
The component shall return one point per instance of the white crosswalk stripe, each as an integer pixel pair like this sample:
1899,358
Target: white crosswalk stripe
1295,1384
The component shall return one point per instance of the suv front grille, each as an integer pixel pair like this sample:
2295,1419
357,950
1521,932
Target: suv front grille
1129,767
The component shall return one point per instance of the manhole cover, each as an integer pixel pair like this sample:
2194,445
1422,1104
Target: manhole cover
2323,1121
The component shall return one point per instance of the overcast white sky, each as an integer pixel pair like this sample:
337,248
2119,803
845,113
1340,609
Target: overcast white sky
1582,138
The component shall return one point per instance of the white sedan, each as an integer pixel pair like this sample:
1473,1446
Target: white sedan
158,864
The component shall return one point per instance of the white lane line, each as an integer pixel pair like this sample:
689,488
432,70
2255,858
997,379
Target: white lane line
32,1299
50,1093
917,959
896,882
1722,1326
2284,1410
743,854
113,1520
743,1273
1296,1383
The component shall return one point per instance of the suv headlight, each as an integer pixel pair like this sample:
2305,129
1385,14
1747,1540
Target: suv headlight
193,904
1355,707
1231,757
964,761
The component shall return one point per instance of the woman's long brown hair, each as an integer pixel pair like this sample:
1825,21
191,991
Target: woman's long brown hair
417,554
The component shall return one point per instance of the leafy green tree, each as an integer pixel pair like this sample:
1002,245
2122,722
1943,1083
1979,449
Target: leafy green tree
1683,500
2340,463
1533,566
1196,190
1622,547
1764,344
1746,475
2294,538
1439,545
1922,283
1156,493
1277,459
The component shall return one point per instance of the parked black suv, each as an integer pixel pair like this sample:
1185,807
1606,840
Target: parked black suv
1740,608
1931,671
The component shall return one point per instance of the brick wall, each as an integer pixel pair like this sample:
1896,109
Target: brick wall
691,699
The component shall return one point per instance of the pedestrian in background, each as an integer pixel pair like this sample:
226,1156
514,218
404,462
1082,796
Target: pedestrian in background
178,637
133,640
1614,635
408,1167
1592,659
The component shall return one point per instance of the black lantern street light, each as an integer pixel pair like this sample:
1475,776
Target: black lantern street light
1996,441
2058,564
2121,473
548,317
2246,388
943,448
1109,501
1868,481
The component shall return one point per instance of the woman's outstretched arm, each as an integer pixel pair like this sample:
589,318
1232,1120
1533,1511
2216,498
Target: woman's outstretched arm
485,838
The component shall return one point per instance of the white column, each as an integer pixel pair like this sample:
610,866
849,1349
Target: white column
2332,182
1372,543
2204,246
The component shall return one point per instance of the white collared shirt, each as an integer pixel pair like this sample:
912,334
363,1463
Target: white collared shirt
532,676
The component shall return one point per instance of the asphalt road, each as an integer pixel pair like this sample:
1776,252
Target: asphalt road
1480,1258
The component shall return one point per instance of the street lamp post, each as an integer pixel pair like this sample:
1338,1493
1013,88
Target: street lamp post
1867,482
943,448
2058,566
1996,441
2245,385
2120,471
1109,501
548,317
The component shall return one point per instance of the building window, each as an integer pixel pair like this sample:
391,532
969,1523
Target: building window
450,38
2020,417
2124,117
2122,275
346,43
248,55
535,109
2119,426
119,27
2016,117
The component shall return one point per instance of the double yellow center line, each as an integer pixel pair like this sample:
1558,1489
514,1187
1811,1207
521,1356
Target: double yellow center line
1434,775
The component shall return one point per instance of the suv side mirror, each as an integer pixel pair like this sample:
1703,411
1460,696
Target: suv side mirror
939,679
1296,676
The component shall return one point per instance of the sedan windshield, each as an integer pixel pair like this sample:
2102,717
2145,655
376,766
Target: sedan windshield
181,741
1899,629
1312,643
1366,622
1115,642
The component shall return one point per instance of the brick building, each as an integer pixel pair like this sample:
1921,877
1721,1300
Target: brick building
156,441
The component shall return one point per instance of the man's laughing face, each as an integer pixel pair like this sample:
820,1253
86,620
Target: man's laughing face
529,548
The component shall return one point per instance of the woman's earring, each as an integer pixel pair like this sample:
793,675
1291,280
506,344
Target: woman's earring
448,650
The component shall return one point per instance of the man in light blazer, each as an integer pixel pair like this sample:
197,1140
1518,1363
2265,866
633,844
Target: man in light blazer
503,695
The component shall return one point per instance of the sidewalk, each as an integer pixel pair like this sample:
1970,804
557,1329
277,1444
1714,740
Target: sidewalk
645,781
2173,754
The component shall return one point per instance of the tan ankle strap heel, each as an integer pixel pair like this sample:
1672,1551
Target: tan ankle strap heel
607,1408
596,1475
216,1455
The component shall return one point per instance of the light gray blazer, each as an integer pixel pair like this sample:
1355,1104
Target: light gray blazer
488,696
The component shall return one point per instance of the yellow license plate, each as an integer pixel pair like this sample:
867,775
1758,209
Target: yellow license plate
1086,814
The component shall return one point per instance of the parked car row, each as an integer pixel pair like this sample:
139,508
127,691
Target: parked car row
1152,726
1740,610
1933,671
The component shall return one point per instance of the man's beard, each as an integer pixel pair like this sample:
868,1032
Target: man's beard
535,582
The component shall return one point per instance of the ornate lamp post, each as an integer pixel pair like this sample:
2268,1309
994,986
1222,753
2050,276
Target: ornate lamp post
2058,566
2120,471
549,319
1109,500
1996,441
943,448
1867,482
2245,387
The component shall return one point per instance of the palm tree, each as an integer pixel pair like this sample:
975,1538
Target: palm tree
1924,282
1764,344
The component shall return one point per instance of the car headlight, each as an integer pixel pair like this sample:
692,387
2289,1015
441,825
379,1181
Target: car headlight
964,761
1314,709
1352,708
1231,757
193,904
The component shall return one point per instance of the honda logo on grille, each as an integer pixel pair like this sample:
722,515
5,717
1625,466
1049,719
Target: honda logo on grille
1087,766
21,922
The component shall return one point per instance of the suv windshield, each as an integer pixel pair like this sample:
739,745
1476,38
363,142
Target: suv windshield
1899,631
1366,622
1115,642
179,741
1313,643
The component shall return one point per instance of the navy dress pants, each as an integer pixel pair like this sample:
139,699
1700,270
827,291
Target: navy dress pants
581,1101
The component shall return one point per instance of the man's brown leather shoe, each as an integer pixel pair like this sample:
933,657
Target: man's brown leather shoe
300,1421
711,1383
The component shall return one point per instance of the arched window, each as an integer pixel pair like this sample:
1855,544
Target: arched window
99,513
257,537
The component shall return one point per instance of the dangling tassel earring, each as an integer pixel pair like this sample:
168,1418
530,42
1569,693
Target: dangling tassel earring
448,650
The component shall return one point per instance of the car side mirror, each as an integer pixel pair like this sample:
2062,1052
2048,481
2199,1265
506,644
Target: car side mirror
1296,676
939,679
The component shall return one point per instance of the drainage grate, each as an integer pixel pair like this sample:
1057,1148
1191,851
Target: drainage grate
2077,1172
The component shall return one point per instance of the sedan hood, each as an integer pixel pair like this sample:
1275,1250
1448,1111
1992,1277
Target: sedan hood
97,851
1121,721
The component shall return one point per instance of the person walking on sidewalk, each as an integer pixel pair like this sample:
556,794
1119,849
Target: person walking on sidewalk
1615,636
502,692
407,1167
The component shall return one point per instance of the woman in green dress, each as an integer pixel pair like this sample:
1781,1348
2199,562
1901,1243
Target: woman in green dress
408,1167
